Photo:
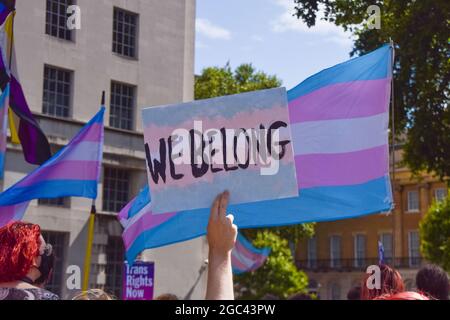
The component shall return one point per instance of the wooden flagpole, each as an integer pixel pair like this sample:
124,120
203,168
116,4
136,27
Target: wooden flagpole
90,237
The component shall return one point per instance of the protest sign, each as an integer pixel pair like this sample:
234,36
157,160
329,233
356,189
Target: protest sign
241,143
138,280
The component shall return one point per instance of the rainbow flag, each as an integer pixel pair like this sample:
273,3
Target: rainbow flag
72,172
339,121
245,257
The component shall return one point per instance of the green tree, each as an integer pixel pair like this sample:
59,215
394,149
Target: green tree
421,33
222,81
278,276
435,234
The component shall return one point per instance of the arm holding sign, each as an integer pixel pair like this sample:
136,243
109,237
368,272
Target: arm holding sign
221,236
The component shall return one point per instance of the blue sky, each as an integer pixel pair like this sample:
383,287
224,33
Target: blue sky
264,33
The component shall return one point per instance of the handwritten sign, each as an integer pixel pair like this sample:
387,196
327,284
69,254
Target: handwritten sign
138,281
241,143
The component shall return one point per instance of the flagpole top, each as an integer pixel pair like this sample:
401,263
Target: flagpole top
103,98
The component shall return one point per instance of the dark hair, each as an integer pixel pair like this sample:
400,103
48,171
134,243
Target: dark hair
433,280
391,283
354,293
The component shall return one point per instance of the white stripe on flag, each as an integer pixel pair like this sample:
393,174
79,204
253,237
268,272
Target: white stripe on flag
243,259
84,151
340,136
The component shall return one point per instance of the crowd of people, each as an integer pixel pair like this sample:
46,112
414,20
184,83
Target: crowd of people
27,261
432,283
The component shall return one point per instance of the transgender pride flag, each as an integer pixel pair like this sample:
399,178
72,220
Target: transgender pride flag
72,172
245,257
339,120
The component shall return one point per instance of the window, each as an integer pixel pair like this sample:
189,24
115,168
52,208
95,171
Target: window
335,251
312,252
57,92
359,249
56,19
122,106
413,201
58,202
440,194
414,248
115,255
116,186
386,240
124,33
58,240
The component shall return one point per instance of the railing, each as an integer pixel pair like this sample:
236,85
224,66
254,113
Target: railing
324,265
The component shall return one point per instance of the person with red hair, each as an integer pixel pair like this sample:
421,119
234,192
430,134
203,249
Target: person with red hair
26,263
405,295
391,284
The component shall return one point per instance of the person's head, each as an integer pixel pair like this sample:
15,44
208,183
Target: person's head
432,280
167,296
24,254
391,282
405,295
93,294
354,293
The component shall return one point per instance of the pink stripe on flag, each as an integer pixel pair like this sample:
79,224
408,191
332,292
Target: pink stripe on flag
336,169
345,100
246,253
65,170
237,264
93,133
146,222
12,213
123,214
6,215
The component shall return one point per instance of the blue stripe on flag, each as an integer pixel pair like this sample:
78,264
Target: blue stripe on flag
372,66
46,189
140,202
249,246
3,96
313,205
2,165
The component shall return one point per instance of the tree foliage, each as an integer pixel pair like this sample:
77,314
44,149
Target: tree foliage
421,33
278,276
222,81
435,234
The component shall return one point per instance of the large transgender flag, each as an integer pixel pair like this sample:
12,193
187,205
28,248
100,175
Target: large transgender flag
339,120
72,172
245,257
